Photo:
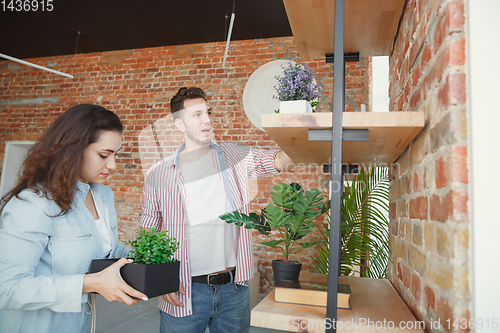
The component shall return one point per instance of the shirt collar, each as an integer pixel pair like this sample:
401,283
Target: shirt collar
82,187
175,160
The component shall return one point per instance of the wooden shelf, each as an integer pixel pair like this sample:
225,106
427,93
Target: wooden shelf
370,26
389,133
373,299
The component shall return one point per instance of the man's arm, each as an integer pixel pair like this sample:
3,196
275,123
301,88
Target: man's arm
283,162
151,213
262,162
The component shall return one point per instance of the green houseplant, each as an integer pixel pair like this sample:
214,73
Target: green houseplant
297,89
291,216
154,271
152,247
364,227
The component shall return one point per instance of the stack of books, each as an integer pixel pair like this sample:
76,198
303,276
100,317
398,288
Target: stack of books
311,293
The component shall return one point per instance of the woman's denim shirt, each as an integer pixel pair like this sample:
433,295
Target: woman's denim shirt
43,260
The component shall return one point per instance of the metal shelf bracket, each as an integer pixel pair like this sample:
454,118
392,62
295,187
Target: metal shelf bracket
347,134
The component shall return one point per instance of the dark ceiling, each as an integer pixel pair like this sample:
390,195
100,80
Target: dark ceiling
107,25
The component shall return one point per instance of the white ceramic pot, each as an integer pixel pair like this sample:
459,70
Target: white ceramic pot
301,106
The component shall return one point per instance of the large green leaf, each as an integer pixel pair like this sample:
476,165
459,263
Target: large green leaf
296,222
260,223
291,215
310,204
276,217
364,227
252,221
237,218
283,195
273,243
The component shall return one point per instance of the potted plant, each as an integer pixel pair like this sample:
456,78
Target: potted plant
297,89
154,271
291,216
364,227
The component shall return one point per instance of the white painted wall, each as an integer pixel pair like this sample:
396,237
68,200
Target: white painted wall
483,75
380,84
14,157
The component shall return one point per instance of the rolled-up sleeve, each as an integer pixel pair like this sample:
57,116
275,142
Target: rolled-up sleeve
24,237
151,213
262,162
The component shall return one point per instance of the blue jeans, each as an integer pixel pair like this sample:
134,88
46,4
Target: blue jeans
224,309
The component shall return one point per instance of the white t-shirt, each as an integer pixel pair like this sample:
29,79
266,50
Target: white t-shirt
103,230
212,242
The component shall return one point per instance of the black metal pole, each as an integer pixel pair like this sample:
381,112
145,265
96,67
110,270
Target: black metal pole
336,187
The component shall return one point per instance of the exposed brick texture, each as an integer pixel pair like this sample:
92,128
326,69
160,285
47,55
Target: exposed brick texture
138,84
429,228
429,262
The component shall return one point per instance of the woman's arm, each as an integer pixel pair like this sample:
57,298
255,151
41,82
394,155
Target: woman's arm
26,282
109,284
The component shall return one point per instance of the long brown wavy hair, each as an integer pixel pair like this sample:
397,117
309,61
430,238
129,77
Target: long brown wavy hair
52,166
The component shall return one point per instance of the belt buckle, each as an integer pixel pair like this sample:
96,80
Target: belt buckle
208,279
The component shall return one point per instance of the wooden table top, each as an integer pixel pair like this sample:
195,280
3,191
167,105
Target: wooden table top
376,307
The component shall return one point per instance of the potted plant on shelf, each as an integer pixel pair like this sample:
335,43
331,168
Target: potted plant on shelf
364,227
154,271
291,216
297,89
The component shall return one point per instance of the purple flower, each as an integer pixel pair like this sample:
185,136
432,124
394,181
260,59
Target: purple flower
297,83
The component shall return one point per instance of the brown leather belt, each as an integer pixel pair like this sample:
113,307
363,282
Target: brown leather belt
215,279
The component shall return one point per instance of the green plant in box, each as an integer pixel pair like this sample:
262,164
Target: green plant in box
152,247
154,271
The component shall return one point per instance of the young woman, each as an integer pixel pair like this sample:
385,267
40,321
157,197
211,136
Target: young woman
57,219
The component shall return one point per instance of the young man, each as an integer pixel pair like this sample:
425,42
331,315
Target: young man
185,193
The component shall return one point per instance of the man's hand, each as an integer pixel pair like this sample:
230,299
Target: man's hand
283,163
172,297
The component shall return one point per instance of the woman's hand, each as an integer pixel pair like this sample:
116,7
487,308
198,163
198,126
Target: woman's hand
111,286
172,297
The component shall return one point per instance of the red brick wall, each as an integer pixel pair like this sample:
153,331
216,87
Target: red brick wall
138,84
429,184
